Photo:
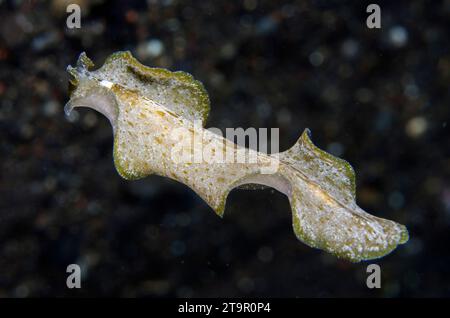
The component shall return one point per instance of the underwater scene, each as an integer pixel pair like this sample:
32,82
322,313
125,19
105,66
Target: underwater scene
224,149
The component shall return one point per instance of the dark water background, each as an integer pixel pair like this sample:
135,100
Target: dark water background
377,98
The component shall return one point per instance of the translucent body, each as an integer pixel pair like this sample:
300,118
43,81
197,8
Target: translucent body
157,118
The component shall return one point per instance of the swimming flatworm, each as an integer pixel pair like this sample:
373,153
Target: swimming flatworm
153,114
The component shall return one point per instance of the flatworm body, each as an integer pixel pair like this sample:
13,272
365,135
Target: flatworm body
157,114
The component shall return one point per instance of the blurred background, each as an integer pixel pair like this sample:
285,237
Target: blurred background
378,98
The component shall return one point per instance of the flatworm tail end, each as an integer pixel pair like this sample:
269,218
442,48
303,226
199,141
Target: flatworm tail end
325,214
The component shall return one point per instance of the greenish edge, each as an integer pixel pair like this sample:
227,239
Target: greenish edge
121,168
85,61
344,165
324,245
220,209
186,79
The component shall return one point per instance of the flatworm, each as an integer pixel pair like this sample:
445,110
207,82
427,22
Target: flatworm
157,114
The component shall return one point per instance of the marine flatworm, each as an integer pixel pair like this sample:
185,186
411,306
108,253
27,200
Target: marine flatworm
147,105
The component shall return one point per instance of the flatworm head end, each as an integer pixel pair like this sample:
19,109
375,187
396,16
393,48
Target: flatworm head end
87,90
176,91
122,87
